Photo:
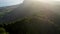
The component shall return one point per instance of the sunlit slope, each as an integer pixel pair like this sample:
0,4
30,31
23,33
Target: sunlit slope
39,10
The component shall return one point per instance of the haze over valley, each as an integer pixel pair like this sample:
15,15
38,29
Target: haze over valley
31,17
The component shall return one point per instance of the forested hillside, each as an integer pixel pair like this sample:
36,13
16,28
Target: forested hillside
30,18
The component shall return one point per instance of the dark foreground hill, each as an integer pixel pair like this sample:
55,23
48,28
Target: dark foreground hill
32,25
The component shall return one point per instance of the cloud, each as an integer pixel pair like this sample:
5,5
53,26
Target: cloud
9,2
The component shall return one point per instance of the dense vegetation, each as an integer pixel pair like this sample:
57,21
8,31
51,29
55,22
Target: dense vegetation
31,25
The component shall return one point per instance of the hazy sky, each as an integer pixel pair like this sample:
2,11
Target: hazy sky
14,2
9,2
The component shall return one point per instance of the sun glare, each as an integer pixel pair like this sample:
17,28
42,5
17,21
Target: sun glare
47,1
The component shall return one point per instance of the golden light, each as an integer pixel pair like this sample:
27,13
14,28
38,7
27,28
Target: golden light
46,1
